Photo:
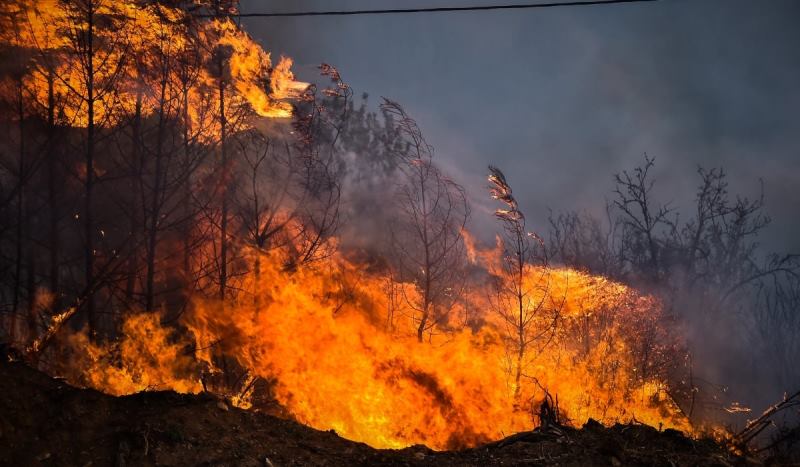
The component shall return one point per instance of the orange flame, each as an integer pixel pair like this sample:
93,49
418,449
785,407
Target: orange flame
319,333
141,38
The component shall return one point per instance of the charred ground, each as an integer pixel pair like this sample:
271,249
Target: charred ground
44,421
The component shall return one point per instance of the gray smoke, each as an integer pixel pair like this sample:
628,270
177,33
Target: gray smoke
561,99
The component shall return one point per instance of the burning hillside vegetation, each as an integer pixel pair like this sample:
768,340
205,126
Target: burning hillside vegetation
319,336
191,218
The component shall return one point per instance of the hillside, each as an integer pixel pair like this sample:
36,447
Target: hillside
44,421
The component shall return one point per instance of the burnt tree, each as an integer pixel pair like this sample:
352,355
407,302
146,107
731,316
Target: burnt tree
427,236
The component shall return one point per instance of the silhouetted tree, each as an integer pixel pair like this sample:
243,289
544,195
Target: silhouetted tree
427,236
522,296
98,42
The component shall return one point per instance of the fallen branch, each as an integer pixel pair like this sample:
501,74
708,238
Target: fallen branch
754,427
38,346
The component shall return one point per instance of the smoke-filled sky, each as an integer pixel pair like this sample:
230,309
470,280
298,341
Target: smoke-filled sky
563,98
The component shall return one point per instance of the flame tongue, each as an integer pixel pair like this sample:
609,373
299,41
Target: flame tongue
284,86
248,67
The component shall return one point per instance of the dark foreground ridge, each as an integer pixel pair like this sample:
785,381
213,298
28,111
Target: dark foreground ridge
44,421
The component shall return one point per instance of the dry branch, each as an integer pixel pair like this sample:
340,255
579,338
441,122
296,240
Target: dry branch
755,427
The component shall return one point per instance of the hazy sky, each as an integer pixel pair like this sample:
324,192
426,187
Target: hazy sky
563,98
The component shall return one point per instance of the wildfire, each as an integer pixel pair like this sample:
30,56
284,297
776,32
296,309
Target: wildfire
146,46
320,335
337,351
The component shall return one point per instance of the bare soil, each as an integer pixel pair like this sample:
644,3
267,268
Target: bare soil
45,421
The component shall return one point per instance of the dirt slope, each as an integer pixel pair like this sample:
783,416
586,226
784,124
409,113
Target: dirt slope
44,421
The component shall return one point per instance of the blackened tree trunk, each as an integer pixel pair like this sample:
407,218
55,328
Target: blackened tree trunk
54,235
135,219
19,232
187,190
89,252
223,250
155,201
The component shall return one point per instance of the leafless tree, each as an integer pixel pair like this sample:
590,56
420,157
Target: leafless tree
47,57
221,56
427,236
266,199
774,329
98,43
704,268
156,66
19,166
263,202
230,117
641,219
522,297
584,242
644,242
318,124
